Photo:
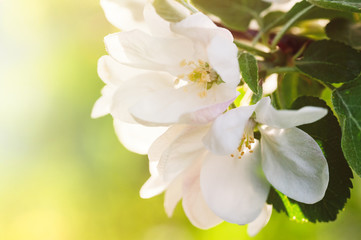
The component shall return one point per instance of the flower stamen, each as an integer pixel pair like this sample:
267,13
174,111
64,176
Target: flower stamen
202,74
247,140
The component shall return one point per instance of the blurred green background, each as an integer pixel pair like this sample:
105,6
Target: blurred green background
65,176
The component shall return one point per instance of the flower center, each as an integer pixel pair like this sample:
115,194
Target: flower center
202,74
246,141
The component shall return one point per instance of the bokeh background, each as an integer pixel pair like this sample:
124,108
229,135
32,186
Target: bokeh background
65,176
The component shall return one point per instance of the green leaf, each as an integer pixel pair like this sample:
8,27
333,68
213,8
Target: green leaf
345,31
271,20
235,14
294,85
170,10
282,19
347,104
281,203
257,96
327,133
330,61
341,5
249,71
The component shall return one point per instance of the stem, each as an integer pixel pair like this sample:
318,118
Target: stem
288,25
329,85
282,70
253,50
186,4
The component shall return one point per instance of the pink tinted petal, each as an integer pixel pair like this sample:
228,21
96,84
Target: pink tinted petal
173,195
194,205
206,114
183,151
169,106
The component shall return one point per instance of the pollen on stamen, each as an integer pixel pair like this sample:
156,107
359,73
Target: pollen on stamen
202,94
232,155
183,63
200,73
176,82
180,76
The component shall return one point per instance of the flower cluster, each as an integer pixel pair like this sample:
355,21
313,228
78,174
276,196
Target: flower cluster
169,87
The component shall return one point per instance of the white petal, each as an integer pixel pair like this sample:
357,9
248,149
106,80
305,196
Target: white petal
114,73
227,130
163,142
103,105
139,49
135,137
193,202
171,105
173,195
266,114
270,84
222,55
200,28
294,163
153,186
156,183
156,24
197,20
256,226
234,189
124,14
183,152
206,114
134,90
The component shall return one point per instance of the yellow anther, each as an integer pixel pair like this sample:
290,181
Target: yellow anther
232,155
200,73
242,153
183,63
176,82
181,76
202,94
239,148
251,151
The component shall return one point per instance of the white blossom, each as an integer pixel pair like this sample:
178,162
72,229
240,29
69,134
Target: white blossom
236,175
197,62
176,159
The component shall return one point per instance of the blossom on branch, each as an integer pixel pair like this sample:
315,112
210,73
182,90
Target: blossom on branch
198,64
176,161
237,173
